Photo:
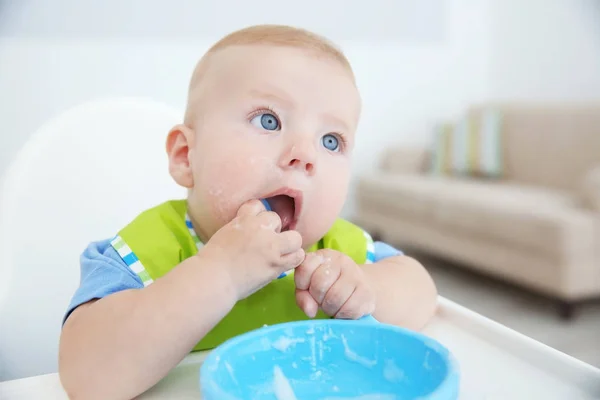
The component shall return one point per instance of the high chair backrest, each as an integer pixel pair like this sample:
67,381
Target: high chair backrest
80,178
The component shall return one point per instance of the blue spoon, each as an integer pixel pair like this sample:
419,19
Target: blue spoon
266,204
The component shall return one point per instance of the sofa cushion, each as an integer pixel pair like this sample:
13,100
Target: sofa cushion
411,194
405,159
470,147
549,144
590,189
526,216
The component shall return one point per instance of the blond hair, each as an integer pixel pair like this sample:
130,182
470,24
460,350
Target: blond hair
275,35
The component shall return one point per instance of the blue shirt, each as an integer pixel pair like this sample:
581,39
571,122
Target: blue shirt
103,272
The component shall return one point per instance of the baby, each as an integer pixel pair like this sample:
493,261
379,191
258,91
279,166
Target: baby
265,152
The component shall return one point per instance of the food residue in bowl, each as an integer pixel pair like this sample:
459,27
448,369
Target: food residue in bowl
281,385
392,373
283,390
284,342
352,356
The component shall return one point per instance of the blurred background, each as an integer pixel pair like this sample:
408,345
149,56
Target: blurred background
478,149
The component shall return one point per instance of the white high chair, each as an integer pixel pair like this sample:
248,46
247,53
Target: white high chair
80,177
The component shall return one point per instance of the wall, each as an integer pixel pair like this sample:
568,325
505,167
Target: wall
415,60
545,50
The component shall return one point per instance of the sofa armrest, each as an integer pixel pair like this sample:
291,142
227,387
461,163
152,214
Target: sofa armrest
591,189
405,160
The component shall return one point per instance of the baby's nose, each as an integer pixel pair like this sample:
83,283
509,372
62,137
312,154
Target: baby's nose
299,164
300,157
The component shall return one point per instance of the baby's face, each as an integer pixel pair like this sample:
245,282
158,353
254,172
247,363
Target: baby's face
276,123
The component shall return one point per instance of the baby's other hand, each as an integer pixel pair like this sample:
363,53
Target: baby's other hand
332,281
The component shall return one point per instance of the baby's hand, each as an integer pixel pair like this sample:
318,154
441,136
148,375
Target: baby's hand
334,282
253,250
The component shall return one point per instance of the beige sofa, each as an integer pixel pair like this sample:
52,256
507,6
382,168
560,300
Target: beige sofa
537,227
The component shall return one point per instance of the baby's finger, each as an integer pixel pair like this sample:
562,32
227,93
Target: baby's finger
290,241
270,220
306,303
291,260
251,207
323,279
339,293
304,272
357,306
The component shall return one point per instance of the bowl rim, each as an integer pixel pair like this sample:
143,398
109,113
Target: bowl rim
448,387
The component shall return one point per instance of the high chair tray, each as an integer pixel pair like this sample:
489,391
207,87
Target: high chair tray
495,361
499,363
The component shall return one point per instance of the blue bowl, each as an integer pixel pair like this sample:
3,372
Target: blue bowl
330,359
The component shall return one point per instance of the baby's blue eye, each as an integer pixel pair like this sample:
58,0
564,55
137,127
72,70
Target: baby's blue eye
266,121
331,142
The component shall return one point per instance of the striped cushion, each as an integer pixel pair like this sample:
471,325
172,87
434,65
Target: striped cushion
469,148
440,157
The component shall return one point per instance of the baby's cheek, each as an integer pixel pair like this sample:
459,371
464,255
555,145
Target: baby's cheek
225,192
333,190
325,205
227,183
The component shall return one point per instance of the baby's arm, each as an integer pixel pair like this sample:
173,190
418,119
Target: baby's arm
122,344
406,294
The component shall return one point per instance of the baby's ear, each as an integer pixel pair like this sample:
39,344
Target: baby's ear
179,142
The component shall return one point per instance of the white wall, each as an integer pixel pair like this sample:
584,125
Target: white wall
545,49
397,20
415,60
407,87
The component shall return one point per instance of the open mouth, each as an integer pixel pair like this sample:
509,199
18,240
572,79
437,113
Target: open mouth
287,206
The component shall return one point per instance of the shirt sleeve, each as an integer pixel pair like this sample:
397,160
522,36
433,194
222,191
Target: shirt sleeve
377,251
103,272
384,250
